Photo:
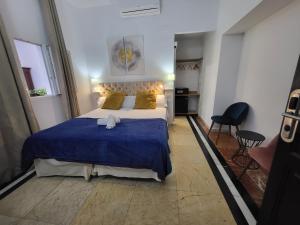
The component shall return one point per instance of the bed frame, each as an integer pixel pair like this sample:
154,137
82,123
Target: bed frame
50,167
130,88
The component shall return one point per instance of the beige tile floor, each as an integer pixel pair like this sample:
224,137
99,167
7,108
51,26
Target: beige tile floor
189,196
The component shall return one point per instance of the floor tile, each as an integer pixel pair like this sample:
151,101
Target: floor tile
185,139
189,195
153,206
195,177
195,209
170,183
113,180
188,154
5,220
107,205
23,199
61,205
31,222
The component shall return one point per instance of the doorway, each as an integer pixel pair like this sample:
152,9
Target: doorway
189,56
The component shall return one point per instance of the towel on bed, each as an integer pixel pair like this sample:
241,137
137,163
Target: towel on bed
110,121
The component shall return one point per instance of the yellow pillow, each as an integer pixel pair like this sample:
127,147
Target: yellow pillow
114,101
145,100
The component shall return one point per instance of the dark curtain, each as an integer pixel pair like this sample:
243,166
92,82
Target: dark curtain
17,120
63,62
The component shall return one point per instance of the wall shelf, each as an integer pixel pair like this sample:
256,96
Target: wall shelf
187,114
190,94
188,60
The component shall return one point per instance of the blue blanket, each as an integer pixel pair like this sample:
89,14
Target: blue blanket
133,143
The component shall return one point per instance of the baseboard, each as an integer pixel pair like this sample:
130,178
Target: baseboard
225,178
201,120
13,185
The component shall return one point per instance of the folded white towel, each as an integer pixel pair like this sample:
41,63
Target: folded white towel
116,118
102,121
111,123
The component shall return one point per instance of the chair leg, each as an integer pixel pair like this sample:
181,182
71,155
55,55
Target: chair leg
245,169
211,126
219,133
229,130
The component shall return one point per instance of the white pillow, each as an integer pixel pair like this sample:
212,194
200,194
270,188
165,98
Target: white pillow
161,101
101,101
129,102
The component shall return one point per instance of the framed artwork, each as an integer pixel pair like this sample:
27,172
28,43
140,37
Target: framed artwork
127,55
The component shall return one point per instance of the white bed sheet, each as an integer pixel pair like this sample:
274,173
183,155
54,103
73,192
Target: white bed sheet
52,167
128,113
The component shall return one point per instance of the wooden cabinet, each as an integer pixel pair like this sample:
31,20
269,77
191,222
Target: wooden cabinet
186,97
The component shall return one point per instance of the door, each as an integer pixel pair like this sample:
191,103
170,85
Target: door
281,202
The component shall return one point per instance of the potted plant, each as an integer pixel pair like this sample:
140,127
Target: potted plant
38,92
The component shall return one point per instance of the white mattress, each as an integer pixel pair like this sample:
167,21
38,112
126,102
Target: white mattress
52,167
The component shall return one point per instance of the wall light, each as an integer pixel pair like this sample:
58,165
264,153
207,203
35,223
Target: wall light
95,80
171,76
97,89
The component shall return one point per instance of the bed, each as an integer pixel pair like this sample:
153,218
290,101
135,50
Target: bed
136,148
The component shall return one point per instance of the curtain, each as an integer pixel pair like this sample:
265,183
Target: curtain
17,120
61,55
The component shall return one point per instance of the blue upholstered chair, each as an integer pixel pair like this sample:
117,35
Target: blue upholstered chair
233,116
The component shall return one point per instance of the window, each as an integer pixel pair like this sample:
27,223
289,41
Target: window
37,64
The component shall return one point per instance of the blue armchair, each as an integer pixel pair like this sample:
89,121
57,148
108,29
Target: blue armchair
233,116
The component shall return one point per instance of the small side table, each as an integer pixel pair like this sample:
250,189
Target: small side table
247,140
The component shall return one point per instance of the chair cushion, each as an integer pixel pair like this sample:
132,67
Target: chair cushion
222,120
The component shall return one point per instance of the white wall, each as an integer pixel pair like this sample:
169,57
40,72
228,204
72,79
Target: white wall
189,48
100,24
229,62
230,12
209,72
31,56
269,58
47,110
95,25
23,20
73,34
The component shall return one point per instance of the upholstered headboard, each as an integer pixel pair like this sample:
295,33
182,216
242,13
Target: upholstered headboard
130,88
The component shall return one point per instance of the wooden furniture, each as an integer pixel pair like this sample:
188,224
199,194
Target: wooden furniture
187,76
191,94
247,140
234,115
263,156
28,77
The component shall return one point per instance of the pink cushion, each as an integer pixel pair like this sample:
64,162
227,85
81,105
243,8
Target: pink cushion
264,155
